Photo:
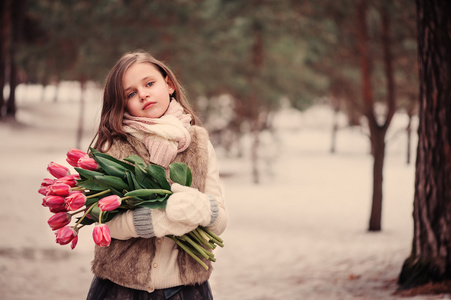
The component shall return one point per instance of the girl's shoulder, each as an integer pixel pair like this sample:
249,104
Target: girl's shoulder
199,135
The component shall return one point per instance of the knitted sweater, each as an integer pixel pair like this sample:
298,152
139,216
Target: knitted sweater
156,263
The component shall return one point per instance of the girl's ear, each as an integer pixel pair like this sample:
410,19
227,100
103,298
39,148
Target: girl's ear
171,87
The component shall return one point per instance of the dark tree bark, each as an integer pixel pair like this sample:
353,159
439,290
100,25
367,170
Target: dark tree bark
430,259
254,107
5,14
377,131
17,20
410,114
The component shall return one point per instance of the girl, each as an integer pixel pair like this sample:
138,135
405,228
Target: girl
145,113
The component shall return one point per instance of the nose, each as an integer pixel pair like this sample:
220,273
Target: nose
143,94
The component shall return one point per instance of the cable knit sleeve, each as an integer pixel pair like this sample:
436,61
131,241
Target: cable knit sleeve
122,226
214,190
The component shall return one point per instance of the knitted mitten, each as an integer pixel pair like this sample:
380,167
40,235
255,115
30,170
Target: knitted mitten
155,222
189,206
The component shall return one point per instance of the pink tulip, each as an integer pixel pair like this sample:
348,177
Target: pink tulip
109,203
54,203
59,220
101,235
47,182
43,190
75,201
74,243
74,155
58,170
58,189
88,163
66,235
69,180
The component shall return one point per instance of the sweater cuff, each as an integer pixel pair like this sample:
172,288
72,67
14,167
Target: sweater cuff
214,209
142,218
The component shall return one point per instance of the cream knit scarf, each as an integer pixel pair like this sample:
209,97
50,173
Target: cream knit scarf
163,137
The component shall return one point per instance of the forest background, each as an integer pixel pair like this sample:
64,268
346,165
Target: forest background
243,59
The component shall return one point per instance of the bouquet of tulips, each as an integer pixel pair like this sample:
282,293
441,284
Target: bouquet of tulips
105,186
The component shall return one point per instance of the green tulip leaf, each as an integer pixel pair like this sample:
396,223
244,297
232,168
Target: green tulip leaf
91,201
180,173
87,174
153,205
147,192
86,221
111,181
110,167
132,182
135,159
90,185
94,213
144,179
110,160
159,174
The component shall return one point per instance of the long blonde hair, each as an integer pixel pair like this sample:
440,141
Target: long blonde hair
114,100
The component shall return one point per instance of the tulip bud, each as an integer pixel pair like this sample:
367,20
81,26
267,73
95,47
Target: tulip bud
101,235
69,180
88,163
75,201
58,170
47,182
73,155
109,203
58,189
54,203
74,243
59,220
43,190
65,235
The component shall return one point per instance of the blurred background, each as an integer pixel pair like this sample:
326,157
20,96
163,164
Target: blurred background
253,70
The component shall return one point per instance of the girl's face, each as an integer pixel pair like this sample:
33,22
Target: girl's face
147,92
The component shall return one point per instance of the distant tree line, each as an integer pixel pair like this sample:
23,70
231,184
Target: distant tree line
358,54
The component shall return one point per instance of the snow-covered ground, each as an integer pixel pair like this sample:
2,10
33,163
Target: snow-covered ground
299,234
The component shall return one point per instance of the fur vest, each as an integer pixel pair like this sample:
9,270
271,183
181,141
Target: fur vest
128,262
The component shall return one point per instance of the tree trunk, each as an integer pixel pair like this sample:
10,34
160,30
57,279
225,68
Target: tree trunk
56,91
336,108
254,156
430,259
409,137
17,17
377,132
254,107
13,81
378,150
81,114
5,14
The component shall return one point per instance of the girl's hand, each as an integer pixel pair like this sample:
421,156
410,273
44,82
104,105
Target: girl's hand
164,226
189,206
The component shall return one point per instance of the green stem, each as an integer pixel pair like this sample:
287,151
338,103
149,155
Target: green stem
199,240
84,216
202,240
99,194
187,250
210,236
76,212
100,217
204,252
216,237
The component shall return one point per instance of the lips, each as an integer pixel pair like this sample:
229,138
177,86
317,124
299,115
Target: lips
148,105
